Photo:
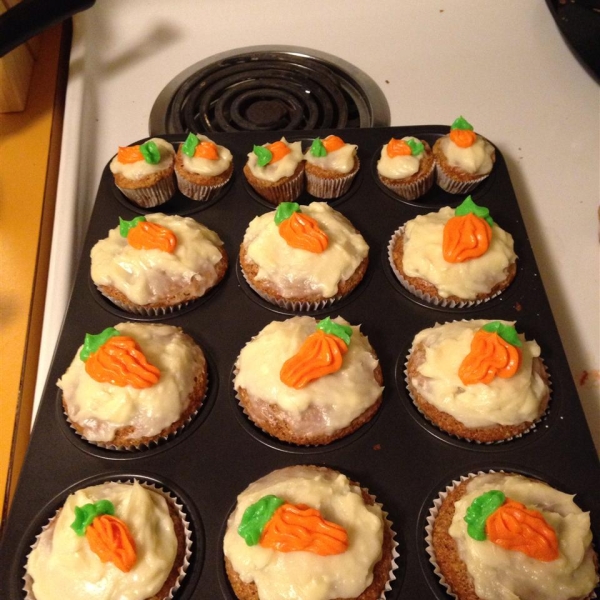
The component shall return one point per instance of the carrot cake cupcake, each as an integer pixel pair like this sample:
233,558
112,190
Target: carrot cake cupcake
144,173
202,167
497,536
309,382
308,532
276,171
134,384
478,380
157,263
303,258
330,168
454,257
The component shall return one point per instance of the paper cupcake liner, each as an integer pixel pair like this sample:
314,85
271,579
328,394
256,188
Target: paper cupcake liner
454,186
170,497
288,191
202,193
322,187
414,190
159,311
152,196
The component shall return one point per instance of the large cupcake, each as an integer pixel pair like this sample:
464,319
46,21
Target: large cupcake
134,384
303,257
497,536
308,532
478,380
454,257
309,382
155,264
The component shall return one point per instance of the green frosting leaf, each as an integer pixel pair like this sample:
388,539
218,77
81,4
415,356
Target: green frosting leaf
126,226
461,123
317,149
468,206
256,516
507,332
285,210
93,342
416,146
344,332
150,152
479,511
264,155
189,146
84,515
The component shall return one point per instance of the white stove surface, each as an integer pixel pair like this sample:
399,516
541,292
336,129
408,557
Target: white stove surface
503,65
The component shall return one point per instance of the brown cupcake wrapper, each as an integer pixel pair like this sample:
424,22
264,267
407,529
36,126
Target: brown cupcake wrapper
157,194
321,187
288,191
454,186
159,311
414,190
202,193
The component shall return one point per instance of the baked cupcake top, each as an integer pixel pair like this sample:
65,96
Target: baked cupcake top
332,154
64,565
149,158
138,375
272,162
551,561
461,377
296,271
305,574
202,156
401,158
144,269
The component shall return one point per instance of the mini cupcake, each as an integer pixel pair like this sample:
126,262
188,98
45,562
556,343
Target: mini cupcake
330,168
503,535
463,159
134,384
111,541
478,380
307,528
155,264
144,173
276,171
309,382
202,167
303,258
406,167
454,257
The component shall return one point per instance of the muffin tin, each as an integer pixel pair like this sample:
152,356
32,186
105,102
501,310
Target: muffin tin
399,456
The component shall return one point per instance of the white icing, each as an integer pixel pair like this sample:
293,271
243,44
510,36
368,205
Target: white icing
205,166
500,574
341,160
141,168
101,408
341,396
63,566
293,575
399,167
501,402
423,258
284,167
475,160
297,272
147,276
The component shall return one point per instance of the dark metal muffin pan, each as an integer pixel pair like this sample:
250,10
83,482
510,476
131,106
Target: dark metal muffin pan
401,458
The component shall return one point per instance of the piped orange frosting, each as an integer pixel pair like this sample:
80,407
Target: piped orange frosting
206,149
303,232
278,150
465,237
129,154
398,148
152,236
111,540
333,143
464,138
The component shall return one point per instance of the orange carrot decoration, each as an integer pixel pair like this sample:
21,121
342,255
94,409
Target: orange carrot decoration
152,236
465,238
207,150
111,540
464,138
278,150
303,232
129,154
398,148
333,143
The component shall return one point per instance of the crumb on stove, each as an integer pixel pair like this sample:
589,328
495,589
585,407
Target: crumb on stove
377,447
518,306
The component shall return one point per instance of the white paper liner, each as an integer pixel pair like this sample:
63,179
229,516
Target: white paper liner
322,187
202,193
170,497
414,190
159,311
154,195
286,191
454,186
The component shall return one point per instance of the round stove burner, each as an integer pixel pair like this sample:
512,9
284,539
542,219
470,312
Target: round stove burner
268,88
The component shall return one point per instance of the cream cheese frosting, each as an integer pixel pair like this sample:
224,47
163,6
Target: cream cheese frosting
341,160
340,397
147,276
63,566
141,168
500,574
205,166
423,258
102,408
297,272
284,167
292,575
399,167
501,402
475,160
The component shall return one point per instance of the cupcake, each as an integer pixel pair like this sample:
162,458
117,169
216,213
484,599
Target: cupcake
144,173
134,384
478,380
496,536
330,167
276,171
308,532
202,167
406,167
111,541
155,264
454,257
305,381
463,159
303,258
